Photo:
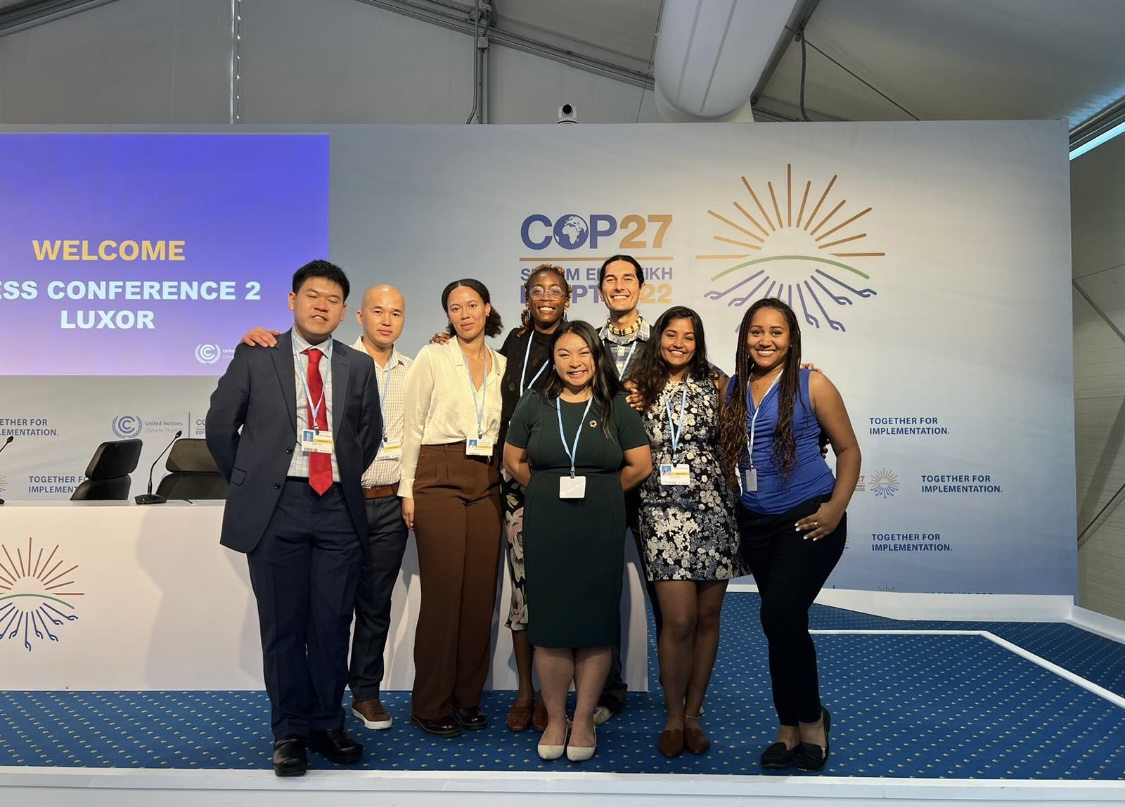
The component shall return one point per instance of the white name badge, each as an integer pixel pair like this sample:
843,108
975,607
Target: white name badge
478,446
391,451
572,487
320,442
679,474
749,480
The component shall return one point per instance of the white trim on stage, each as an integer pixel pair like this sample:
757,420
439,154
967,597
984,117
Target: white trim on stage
116,788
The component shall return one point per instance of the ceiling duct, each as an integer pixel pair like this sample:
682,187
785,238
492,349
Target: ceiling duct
711,53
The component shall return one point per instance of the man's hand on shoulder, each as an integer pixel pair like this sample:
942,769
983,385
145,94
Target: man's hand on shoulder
260,337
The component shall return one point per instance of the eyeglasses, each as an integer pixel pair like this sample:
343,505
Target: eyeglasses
537,293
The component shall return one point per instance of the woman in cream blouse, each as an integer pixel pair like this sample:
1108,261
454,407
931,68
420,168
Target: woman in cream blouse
450,490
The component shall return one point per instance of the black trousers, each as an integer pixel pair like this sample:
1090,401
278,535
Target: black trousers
384,546
615,689
790,571
304,573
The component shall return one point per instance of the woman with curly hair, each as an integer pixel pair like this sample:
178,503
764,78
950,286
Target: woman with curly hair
687,530
791,512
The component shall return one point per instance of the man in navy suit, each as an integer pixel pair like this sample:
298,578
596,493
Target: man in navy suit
292,428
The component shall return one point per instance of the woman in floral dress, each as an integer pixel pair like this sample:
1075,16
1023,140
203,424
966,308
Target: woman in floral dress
687,525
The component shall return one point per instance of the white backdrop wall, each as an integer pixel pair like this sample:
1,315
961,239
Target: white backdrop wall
947,248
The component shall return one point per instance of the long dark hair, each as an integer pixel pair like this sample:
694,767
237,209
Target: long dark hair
732,419
549,268
605,384
493,325
651,371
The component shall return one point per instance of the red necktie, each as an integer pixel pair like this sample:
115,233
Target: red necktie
320,463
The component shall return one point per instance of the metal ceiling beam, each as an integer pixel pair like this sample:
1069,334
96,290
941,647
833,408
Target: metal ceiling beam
797,22
1098,124
21,16
458,17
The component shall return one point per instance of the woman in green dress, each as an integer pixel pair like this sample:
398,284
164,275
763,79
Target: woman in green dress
576,447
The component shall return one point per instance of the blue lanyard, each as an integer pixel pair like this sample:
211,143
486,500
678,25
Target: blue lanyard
572,450
675,431
523,373
621,372
383,399
314,408
478,406
754,417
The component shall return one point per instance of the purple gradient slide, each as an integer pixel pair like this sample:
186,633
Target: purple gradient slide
151,254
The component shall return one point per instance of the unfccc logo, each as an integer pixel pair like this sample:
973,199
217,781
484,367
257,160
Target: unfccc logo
207,353
127,426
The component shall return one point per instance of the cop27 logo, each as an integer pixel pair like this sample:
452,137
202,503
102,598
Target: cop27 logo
127,426
36,594
573,232
797,245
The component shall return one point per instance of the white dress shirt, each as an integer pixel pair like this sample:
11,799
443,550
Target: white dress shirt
440,406
392,392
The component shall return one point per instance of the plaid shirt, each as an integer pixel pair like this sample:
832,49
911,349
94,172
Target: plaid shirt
392,393
623,348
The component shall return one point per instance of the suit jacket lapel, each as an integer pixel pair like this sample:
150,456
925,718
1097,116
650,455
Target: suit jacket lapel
340,374
286,375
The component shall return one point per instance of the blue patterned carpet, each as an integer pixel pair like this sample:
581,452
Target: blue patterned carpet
911,706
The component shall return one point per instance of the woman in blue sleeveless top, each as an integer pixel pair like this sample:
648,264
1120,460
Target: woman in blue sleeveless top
791,512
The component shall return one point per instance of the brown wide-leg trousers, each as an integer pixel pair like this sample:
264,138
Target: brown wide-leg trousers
457,528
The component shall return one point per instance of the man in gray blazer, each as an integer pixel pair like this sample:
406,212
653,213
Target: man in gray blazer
292,428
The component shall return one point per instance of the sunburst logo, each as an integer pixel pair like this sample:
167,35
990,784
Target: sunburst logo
883,483
3,483
36,594
799,250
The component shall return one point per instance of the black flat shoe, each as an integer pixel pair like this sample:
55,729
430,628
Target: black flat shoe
289,757
442,727
777,757
335,745
811,757
470,718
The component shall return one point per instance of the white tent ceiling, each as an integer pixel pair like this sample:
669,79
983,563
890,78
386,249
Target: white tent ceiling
865,59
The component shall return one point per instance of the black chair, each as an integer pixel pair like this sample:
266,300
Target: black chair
193,473
107,475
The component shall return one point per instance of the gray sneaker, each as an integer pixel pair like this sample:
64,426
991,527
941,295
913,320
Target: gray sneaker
601,715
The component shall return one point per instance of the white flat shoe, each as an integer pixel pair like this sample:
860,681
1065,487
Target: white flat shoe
582,753
551,752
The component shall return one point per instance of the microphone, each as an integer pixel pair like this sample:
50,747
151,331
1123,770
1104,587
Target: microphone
150,497
11,437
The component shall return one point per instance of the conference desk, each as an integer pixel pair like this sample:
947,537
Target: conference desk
115,596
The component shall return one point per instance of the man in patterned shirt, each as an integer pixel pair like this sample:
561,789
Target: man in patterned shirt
620,280
382,317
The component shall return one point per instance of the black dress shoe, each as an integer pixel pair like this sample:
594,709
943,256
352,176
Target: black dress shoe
470,718
289,758
442,727
811,757
335,745
777,757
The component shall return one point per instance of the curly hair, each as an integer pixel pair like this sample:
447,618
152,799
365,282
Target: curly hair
650,374
605,384
732,419
543,268
493,326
